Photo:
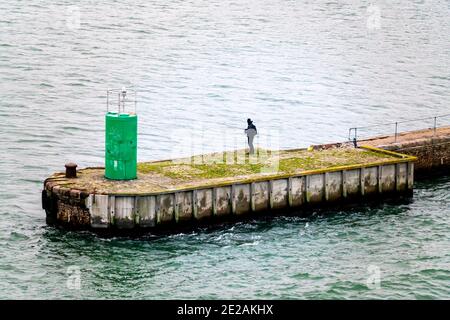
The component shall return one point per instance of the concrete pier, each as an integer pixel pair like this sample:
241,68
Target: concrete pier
91,202
431,147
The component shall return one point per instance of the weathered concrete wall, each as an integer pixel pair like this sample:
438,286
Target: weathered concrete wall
184,206
297,191
66,207
203,204
165,208
146,211
240,202
260,196
279,194
315,188
433,153
352,183
188,206
333,185
222,201
124,213
99,208
128,212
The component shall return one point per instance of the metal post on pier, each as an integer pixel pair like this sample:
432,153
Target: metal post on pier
396,130
397,133
434,127
355,139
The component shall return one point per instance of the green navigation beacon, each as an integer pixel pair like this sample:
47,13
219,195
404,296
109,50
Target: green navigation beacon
121,135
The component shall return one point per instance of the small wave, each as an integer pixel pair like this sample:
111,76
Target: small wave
35,49
46,85
306,276
15,236
76,84
249,244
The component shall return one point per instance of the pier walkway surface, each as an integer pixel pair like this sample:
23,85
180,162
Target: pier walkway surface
407,137
219,169
431,147
208,188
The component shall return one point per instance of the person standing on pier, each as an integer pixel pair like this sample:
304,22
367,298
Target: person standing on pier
251,133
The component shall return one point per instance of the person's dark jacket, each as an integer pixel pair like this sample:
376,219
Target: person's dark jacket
252,126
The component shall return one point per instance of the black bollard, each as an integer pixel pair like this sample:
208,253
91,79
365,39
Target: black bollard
71,170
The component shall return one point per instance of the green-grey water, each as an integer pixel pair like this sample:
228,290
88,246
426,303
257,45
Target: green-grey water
304,71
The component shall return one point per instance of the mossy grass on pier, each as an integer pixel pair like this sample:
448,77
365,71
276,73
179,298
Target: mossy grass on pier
218,165
218,169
